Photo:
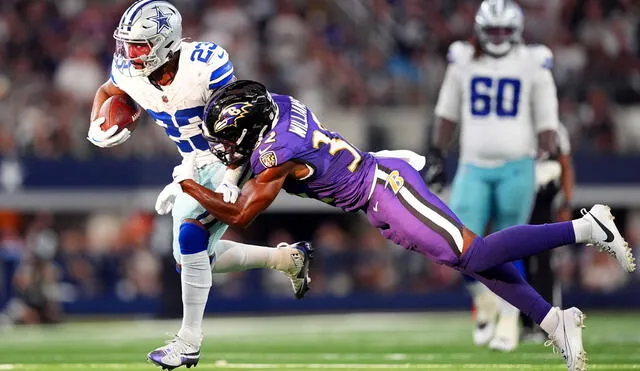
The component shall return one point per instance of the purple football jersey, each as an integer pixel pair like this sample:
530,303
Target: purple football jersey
342,174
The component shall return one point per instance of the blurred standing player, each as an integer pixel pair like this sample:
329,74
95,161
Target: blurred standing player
288,148
502,94
172,81
553,174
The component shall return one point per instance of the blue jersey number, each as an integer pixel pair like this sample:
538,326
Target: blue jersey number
203,52
182,118
507,96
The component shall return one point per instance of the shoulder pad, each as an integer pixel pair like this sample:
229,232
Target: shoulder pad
459,52
541,55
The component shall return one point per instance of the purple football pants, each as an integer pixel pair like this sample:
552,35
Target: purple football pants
407,213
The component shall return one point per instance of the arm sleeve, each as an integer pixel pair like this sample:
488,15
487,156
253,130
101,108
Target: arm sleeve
449,99
544,96
266,156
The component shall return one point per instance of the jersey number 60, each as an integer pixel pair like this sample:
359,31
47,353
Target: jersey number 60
506,92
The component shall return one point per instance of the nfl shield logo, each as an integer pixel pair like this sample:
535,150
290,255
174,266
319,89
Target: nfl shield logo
269,159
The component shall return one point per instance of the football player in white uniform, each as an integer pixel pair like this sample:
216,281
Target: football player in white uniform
172,80
502,94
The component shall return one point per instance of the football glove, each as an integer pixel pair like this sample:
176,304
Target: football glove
106,138
229,191
167,197
435,176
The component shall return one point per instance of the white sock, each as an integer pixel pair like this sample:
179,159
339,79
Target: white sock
196,283
234,256
582,230
551,320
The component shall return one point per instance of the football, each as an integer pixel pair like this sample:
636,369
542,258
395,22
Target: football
119,110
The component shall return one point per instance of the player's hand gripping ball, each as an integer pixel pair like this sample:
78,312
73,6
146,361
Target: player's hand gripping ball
116,120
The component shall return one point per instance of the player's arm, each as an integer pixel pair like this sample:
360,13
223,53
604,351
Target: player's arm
567,176
447,118
104,92
545,100
257,194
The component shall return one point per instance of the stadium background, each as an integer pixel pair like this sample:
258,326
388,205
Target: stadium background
79,221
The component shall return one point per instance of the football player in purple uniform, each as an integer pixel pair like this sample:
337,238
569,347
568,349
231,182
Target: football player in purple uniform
286,147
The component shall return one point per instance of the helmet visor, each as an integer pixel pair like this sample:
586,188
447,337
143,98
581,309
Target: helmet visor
226,151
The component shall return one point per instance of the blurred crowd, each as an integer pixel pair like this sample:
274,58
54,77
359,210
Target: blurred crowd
335,54
47,260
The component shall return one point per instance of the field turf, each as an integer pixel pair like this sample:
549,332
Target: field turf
350,342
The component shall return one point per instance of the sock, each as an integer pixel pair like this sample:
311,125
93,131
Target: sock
196,283
515,243
234,256
195,279
582,230
550,321
507,283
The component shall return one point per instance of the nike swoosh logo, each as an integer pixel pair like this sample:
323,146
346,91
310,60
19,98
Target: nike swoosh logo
221,55
261,151
605,229
375,207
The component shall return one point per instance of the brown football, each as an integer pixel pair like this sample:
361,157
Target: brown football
119,110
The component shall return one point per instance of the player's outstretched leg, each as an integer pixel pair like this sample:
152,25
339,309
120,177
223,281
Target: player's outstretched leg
291,259
596,228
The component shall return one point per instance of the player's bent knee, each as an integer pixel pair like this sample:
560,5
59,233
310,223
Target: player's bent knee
193,237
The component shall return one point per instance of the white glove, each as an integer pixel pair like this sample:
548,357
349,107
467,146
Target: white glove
166,198
186,170
414,160
230,192
106,138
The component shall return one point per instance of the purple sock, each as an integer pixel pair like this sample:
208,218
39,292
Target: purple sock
515,243
506,282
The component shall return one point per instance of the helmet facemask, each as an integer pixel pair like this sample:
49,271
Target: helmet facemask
498,26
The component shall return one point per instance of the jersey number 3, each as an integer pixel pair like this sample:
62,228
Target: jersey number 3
336,145
506,92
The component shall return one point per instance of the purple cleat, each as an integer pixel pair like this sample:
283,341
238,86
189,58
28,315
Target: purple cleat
175,353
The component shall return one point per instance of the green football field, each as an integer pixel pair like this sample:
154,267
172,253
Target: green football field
428,341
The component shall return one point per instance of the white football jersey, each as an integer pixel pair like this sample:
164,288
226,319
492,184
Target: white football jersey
178,107
500,103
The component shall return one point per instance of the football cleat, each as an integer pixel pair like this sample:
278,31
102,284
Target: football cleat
301,256
567,338
486,311
606,237
175,353
507,332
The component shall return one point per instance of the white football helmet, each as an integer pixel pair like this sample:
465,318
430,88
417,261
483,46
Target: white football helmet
498,26
155,23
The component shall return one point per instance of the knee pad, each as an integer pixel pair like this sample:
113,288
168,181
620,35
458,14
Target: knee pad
192,238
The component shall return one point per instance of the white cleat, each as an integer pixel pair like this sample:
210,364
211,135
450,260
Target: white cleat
567,338
301,255
507,335
606,237
175,353
486,307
